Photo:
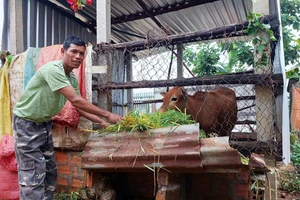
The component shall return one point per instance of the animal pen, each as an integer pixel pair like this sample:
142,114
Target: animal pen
161,63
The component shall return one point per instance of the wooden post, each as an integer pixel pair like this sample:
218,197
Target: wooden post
16,27
118,76
179,60
129,78
170,186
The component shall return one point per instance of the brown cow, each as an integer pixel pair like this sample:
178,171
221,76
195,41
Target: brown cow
216,111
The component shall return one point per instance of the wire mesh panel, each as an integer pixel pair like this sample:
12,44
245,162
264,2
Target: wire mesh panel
138,101
201,63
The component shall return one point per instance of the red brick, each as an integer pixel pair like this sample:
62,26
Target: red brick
226,176
242,190
76,159
77,183
233,186
70,170
244,177
61,181
75,171
61,157
88,178
64,169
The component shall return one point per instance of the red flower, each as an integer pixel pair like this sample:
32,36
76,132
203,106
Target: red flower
74,7
77,4
71,1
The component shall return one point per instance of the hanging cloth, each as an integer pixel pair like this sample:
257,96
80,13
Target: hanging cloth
5,109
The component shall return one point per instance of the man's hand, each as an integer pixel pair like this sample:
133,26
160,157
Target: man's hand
104,124
93,118
87,107
114,118
101,122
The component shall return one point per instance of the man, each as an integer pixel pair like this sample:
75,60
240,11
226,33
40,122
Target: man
43,98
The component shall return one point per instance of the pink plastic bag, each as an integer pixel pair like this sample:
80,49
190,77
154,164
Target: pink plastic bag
7,153
68,116
9,187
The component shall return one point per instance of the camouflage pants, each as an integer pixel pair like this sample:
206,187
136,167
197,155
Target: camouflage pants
37,171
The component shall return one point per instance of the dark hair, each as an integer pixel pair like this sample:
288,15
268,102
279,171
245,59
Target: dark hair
73,40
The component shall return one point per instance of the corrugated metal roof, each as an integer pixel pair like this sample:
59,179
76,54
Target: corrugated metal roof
130,20
44,25
176,149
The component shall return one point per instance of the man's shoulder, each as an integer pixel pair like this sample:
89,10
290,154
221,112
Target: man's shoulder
54,62
73,76
52,65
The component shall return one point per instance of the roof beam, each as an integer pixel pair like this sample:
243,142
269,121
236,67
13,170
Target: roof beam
152,16
233,30
160,11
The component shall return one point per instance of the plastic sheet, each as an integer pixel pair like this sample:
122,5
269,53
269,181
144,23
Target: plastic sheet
5,110
68,116
9,186
7,153
295,110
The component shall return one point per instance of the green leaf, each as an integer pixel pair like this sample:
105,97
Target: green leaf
266,26
260,48
256,40
252,31
272,38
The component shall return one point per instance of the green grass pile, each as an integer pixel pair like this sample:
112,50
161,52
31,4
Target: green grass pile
135,121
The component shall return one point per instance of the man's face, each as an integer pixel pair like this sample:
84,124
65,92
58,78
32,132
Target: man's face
74,56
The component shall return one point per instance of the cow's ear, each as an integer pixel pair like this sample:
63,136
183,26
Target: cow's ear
163,94
184,93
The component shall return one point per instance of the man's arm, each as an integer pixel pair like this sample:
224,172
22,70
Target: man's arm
93,118
82,104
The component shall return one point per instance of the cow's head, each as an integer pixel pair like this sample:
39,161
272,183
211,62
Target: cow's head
174,99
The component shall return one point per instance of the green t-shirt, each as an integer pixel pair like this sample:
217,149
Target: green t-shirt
41,99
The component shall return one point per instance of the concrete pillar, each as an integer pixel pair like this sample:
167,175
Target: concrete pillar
265,108
102,61
103,21
16,27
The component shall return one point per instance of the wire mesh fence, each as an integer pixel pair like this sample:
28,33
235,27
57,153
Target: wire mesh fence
139,102
200,61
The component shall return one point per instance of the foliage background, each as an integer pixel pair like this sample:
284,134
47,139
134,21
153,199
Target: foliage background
206,59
